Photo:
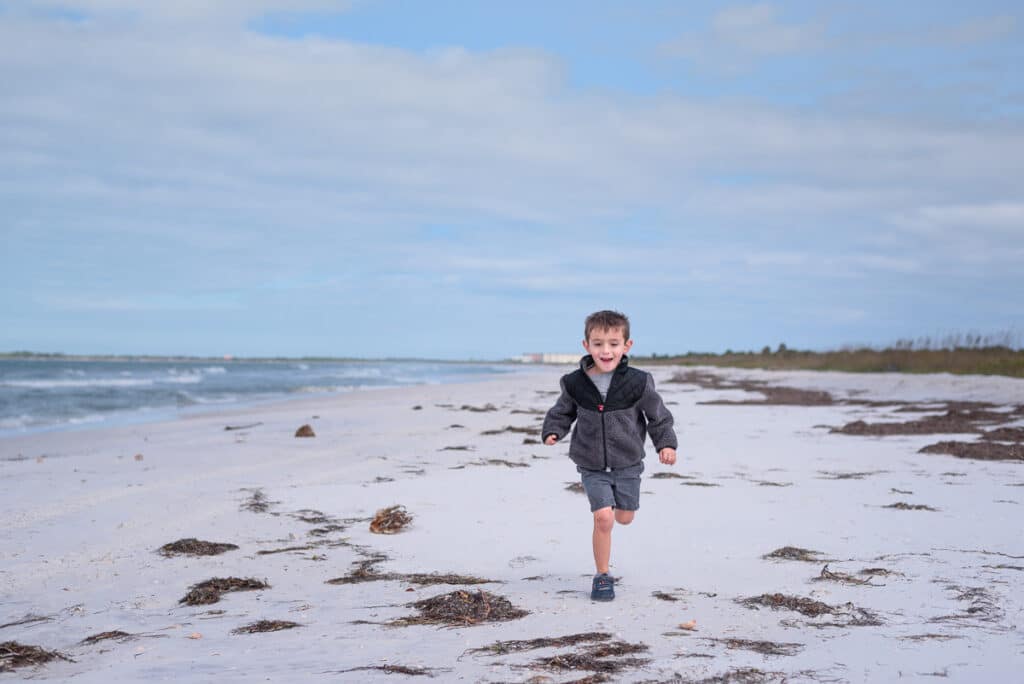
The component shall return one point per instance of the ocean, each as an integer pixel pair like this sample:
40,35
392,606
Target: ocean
52,394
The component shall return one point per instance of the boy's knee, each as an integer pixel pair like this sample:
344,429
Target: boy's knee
624,517
604,519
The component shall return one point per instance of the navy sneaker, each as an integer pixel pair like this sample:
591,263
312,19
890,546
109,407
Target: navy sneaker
604,588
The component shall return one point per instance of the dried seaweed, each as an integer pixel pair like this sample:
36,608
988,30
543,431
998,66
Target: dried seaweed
257,501
266,626
773,395
241,427
392,669
194,547
904,506
982,606
390,520
828,575
665,475
286,549
499,462
462,608
522,429
794,553
486,408
575,488
664,596
211,590
745,675
103,636
516,646
365,572
14,655
326,530
981,451
804,606
601,658
1005,434
957,420
832,475
875,572
852,615
696,483
27,619
763,647
305,431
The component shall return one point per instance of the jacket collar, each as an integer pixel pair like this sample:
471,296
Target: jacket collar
587,362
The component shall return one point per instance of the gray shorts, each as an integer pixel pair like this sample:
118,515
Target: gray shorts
619,488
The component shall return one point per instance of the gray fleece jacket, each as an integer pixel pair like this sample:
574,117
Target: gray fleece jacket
609,432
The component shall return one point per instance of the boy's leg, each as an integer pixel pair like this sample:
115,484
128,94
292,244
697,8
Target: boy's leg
604,520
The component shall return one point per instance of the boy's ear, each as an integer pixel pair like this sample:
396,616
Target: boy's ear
627,345
586,345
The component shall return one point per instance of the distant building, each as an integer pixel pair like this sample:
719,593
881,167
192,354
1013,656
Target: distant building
547,357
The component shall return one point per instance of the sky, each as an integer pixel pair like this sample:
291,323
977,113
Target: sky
376,178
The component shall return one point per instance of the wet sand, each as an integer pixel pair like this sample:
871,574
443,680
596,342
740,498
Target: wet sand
781,547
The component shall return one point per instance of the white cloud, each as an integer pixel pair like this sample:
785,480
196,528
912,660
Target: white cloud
222,141
741,34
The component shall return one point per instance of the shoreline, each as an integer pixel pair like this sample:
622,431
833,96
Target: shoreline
171,410
85,517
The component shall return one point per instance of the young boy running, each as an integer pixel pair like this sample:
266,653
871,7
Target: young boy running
614,408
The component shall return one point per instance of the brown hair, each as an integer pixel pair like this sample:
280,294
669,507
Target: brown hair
606,320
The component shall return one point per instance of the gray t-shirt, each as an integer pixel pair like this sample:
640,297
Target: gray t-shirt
602,381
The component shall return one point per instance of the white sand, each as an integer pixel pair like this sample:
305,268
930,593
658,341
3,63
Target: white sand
82,519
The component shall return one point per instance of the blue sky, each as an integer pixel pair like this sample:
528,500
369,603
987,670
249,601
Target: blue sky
454,180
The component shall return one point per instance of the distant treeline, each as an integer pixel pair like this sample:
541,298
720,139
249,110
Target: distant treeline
966,354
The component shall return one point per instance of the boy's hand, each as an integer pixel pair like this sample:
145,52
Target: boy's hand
667,456
550,440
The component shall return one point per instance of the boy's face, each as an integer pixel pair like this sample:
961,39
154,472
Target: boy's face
607,346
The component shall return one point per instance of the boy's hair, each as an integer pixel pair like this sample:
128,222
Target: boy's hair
606,320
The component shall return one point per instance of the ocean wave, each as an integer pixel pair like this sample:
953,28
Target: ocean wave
321,389
17,422
58,384
187,399
357,373
214,370
191,379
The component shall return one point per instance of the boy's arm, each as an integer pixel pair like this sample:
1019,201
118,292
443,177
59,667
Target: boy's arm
559,417
659,418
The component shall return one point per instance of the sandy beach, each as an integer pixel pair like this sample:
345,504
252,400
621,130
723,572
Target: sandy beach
795,540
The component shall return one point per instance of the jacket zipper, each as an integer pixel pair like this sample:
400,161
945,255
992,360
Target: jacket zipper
604,439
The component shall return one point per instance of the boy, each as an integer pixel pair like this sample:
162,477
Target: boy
614,408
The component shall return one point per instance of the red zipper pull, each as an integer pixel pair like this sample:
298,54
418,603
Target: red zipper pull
600,408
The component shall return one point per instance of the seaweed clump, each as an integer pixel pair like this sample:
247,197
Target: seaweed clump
393,669
793,553
853,615
390,520
103,636
904,506
266,626
763,647
211,590
195,547
981,451
462,608
601,658
14,655
517,645
366,571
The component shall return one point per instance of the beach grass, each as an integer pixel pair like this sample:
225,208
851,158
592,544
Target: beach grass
924,356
